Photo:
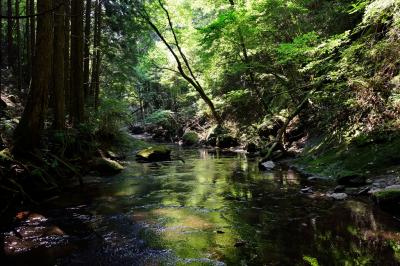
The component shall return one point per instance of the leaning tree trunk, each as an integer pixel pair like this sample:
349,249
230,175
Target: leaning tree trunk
77,93
58,67
281,132
27,133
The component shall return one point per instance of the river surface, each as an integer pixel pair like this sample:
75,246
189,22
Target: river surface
207,209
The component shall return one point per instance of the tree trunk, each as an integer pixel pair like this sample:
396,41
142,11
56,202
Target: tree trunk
95,84
67,71
189,77
86,54
58,67
1,50
281,132
77,92
18,48
10,48
27,133
28,42
32,24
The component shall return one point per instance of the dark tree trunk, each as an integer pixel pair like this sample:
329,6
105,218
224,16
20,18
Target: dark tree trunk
95,84
10,48
27,133
86,51
28,42
77,92
18,47
58,67
32,24
67,38
1,50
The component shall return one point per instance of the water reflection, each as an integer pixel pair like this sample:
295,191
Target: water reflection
218,209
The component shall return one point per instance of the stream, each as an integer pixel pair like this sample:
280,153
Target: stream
207,209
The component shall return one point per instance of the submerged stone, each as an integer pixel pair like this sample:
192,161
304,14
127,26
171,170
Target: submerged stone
154,154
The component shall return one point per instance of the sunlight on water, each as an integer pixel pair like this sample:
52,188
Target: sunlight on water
217,210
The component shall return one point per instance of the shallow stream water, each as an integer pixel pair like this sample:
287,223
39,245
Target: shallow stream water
207,209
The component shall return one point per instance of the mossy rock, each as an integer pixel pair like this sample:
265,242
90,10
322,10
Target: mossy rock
226,141
190,138
388,199
5,155
213,134
105,166
154,154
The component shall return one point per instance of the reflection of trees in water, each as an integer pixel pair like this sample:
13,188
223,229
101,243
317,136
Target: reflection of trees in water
263,209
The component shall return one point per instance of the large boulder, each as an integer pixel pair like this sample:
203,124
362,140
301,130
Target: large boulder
154,154
352,180
105,166
226,141
270,128
388,198
190,138
213,134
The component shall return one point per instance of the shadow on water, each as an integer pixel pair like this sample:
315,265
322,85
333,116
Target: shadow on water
214,209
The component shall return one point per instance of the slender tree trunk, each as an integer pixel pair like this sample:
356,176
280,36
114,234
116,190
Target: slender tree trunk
18,47
77,62
95,84
58,66
86,51
67,71
1,50
27,133
28,42
32,24
10,48
182,61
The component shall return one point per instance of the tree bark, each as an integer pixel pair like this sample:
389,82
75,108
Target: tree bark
77,92
58,67
27,133
33,28
18,47
95,84
1,50
10,47
86,51
28,42
67,71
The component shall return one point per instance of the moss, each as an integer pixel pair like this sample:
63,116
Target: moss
352,158
387,194
5,155
157,153
107,166
190,138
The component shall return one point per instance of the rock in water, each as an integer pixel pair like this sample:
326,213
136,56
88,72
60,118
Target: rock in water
352,180
105,166
190,138
338,196
388,198
269,165
154,154
226,141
